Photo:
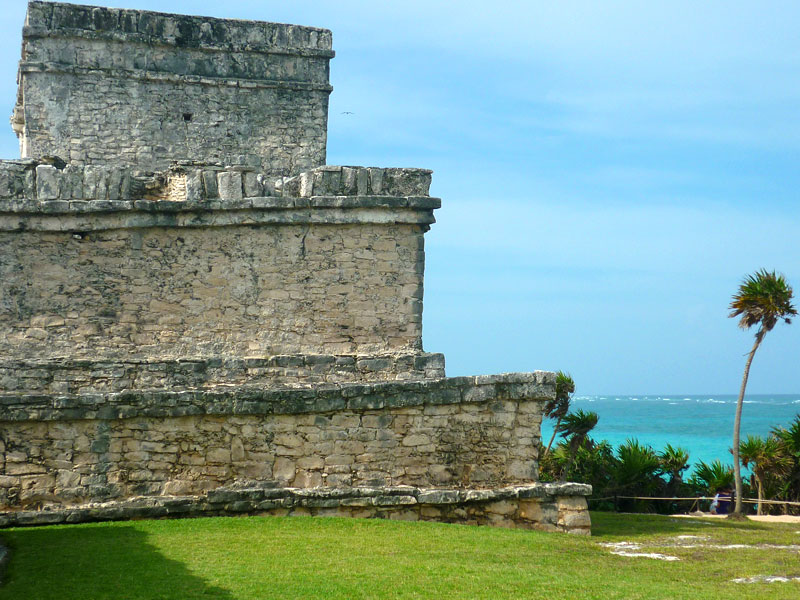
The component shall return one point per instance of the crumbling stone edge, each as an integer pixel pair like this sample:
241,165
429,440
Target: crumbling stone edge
543,506
297,399
64,375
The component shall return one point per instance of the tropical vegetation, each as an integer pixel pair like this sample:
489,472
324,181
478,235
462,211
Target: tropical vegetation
768,459
558,407
763,299
622,476
790,438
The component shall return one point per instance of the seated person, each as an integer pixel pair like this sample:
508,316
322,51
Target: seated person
724,505
714,504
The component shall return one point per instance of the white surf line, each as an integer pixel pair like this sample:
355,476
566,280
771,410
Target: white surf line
765,579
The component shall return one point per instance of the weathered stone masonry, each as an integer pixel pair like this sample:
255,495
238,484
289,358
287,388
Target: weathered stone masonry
124,87
238,291
463,432
459,450
197,316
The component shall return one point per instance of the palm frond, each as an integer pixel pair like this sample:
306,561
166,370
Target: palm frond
789,436
712,477
767,456
674,461
578,424
556,408
763,299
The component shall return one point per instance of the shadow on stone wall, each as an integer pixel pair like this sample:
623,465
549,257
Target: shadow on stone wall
95,562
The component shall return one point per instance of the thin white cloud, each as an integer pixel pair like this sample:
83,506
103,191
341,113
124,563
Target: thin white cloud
647,238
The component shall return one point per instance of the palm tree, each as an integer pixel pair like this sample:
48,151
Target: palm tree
763,299
768,457
790,437
791,441
636,470
575,428
558,407
708,479
674,461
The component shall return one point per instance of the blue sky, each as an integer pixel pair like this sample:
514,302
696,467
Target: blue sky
609,172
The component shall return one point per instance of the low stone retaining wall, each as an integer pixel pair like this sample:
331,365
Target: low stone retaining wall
542,506
467,432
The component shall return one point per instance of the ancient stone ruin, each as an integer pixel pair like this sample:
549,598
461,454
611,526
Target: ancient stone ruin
198,316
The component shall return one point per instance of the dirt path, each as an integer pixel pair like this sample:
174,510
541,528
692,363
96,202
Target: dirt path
763,518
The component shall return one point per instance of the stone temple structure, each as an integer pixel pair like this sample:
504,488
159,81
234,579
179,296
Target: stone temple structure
199,316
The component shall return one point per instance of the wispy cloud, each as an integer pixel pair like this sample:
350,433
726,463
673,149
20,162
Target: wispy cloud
664,238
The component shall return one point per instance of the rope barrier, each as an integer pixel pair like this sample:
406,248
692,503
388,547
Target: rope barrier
697,499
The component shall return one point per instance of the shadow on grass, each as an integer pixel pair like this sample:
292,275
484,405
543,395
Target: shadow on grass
95,562
608,524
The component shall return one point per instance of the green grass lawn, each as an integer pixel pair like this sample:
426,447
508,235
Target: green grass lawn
298,557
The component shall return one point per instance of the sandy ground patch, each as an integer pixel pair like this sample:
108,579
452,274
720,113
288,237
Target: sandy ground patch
763,518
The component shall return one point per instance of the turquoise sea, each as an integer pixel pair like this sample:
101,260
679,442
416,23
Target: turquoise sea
703,425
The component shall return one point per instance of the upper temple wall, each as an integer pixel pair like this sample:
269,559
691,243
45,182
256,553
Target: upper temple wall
102,86
104,263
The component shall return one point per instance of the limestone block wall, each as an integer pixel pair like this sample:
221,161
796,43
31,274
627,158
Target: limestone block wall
127,87
235,291
76,376
101,263
466,432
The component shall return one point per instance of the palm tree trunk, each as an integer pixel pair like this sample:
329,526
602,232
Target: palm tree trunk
573,454
738,422
555,431
760,494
